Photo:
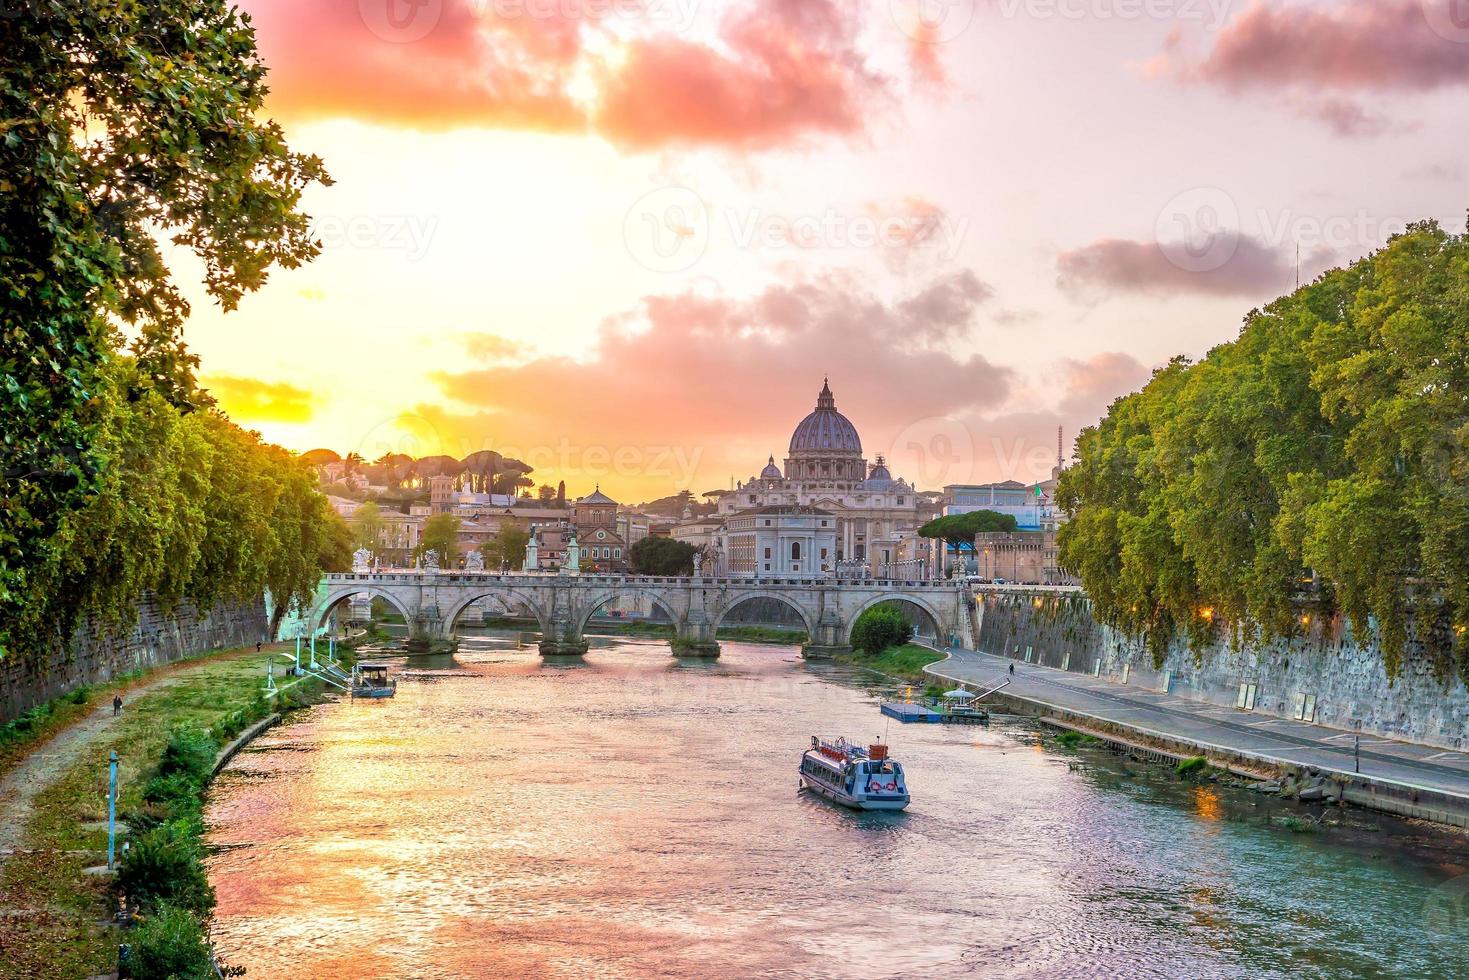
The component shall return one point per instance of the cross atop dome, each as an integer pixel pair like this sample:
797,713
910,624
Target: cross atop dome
825,399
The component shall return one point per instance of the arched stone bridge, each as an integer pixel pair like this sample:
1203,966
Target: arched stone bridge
431,602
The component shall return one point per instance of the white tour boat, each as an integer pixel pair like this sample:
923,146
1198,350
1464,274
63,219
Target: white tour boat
863,779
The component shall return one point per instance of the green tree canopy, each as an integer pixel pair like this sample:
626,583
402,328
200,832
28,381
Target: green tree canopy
1328,440
661,556
440,534
959,529
119,123
879,628
506,549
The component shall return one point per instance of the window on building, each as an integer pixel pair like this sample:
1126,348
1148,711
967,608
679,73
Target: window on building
900,501
767,566
616,552
752,498
823,554
767,552
795,551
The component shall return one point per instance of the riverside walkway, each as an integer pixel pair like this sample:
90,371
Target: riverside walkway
1400,777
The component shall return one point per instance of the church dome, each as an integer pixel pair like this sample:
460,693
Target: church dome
826,429
771,471
880,478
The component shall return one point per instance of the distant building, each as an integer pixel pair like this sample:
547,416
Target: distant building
343,505
825,469
1027,557
782,540
701,532
1029,504
603,546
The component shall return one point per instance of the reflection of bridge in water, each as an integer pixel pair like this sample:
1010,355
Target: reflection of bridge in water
431,603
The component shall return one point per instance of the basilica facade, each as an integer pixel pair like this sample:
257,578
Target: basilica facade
825,471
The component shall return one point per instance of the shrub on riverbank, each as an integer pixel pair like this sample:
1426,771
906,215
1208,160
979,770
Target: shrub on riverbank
1074,740
880,628
165,866
172,943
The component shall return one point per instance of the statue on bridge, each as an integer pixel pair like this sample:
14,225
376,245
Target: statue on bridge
532,554
573,555
431,560
474,561
361,560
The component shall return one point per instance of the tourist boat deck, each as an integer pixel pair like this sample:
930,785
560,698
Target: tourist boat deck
856,777
372,681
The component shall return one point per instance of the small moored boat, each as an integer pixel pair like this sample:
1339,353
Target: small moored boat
372,681
860,778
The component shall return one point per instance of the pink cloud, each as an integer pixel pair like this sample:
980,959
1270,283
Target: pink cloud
1364,45
792,69
429,64
1316,52
1251,268
727,379
778,72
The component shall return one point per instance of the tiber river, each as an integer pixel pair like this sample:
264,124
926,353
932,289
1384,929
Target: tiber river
635,816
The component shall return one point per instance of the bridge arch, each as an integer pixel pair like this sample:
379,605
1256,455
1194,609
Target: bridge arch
806,617
602,598
336,597
899,597
503,593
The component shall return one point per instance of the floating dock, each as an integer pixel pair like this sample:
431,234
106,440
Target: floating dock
927,714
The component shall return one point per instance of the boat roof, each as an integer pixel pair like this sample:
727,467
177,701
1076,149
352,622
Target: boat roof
372,666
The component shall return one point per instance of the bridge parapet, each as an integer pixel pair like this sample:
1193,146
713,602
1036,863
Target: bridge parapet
431,601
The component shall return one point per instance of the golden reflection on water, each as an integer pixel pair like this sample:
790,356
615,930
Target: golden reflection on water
1207,804
629,817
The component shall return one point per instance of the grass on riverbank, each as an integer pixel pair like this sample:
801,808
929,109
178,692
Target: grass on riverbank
51,923
904,662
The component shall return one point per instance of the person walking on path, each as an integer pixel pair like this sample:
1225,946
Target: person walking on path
1012,670
257,646
116,705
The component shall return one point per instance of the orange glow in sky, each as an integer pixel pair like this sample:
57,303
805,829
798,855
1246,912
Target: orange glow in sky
625,240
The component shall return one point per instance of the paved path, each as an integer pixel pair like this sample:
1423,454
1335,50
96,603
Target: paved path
43,764
1274,739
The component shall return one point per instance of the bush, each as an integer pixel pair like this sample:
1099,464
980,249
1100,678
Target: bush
177,792
1073,740
170,945
879,628
1195,768
79,696
164,867
190,752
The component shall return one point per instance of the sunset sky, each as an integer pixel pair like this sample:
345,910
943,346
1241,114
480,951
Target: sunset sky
624,239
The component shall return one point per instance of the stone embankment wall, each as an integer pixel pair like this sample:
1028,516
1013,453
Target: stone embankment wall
1346,678
91,658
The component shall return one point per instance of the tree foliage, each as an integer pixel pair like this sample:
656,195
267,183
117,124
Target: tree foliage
1328,440
506,549
440,534
879,628
187,506
959,529
120,124
661,556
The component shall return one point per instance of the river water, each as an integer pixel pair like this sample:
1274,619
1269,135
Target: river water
634,815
